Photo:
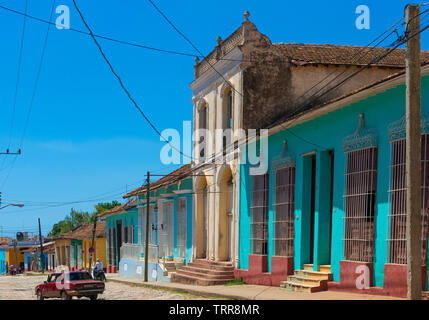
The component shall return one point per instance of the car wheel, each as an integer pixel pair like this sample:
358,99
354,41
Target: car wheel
40,295
65,296
93,297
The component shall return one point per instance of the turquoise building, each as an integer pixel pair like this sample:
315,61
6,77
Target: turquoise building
121,228
3,261
332,202
170,228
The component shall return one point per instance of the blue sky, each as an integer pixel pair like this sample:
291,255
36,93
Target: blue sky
85,141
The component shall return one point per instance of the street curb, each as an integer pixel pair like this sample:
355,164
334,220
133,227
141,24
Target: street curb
190,291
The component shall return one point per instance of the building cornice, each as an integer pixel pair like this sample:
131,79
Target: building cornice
210,77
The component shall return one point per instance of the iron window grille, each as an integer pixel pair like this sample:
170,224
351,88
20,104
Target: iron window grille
284,211
396,242
359,200
359,204
181,228
259,211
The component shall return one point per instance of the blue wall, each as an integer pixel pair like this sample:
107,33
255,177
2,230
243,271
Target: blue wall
135,269
326,133
128,218
2,261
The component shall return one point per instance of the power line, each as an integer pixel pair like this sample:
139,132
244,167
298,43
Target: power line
191,43
123,86
33,94
128,43
18,72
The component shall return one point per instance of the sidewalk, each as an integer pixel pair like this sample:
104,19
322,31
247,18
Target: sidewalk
246,292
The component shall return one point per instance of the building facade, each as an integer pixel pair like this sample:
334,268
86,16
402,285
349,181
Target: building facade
333,197
244,85
170,227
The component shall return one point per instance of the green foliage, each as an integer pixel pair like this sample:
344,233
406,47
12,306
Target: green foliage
76,218
103,206
235,282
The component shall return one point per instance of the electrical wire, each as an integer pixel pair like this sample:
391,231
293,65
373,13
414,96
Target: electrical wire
18,74
32,96
123,86
192,44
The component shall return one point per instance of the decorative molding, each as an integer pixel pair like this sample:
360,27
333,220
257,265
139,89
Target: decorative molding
225,86
397,129
284,159
230,64
200,103
362,138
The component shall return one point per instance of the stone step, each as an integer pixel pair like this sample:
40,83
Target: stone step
204,275
207,271
305,280
322,268
220,263
211,266
187,279
314,274
308,267
300,287
325,268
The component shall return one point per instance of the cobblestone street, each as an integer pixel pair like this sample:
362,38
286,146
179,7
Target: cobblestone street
21,287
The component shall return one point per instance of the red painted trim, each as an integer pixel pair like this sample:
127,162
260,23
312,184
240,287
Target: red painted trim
281,267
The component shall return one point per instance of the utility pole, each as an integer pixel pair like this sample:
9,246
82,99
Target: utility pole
413,153
42,260
92,243
146,246
16,256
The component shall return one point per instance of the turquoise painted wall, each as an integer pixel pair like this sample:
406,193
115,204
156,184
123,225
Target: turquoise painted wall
2,261
130,217
185,184
327,133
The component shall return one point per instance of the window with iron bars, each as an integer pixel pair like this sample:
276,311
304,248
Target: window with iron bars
284,212
397,244
259,211
359,204
181,227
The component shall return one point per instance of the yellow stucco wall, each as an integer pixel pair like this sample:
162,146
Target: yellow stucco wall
10,256
99,253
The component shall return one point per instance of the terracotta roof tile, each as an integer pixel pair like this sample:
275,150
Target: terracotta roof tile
119,209
172,177
85,231
302,54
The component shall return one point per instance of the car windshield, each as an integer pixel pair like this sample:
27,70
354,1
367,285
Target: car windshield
77,276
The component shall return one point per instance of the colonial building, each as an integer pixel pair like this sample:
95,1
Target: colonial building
121,228
247,82
170,228
330,211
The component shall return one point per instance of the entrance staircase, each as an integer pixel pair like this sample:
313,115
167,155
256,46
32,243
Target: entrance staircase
204,273
170,266
308,280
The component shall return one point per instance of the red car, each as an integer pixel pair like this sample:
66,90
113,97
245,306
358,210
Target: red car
66,285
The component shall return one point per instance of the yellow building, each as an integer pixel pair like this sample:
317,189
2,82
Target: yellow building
10,257
72,248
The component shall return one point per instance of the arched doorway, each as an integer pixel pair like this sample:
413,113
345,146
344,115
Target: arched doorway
202,218
226,215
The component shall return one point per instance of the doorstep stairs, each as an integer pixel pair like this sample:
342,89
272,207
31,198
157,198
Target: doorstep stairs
204,273
170,266
308,280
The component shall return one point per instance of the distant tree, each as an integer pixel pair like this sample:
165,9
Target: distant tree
76,218
72,220
103,206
